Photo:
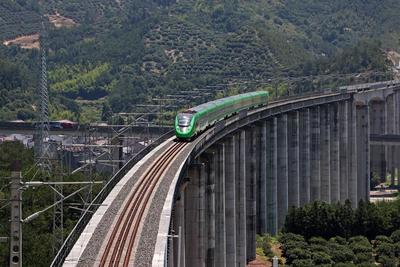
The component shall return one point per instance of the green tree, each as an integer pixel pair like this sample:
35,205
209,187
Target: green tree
106,112
321,258
395,236
296,253
388,261
385,249
340,253
369,221
302,263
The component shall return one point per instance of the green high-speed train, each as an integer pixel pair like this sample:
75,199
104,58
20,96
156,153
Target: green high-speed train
195,120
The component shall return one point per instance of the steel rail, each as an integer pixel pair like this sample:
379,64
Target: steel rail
120,220
128,222
142,210
101,196
146,201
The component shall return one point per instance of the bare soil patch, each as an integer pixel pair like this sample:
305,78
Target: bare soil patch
25,41
60,21
259,262
394,57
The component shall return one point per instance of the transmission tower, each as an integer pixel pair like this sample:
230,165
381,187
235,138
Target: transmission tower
46,151
43,125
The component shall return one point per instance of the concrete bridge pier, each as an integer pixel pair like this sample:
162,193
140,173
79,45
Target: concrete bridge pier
240,183
344,149
262,179
390,118
304,156
178,222
220,210
293,159
315,160
282,163
251,193
210,222
396,152
230,199
219,204
271,176
334,154
325,155
377,126
353,161
363,149
194,217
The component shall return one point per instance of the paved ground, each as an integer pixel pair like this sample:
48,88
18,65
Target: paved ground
383,195
259,263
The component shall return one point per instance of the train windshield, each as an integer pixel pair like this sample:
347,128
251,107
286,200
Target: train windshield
184,119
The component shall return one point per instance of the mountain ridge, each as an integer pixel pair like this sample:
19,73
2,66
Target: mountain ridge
153,48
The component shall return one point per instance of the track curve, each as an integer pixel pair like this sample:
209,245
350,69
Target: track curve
119,246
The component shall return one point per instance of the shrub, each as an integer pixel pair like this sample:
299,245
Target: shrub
320,258
388,261
259,251
25,114
338,239
363,257
382,239
397,249
395,236
297,254
366,264
340,253
320,248
292,245
318,241
263,242
360,244
290,237
346,264
385,249
360,248
358,239
303,263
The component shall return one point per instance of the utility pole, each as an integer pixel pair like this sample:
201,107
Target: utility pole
16,221
16,211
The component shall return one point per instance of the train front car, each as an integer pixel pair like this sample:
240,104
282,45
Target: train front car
197,119
185,125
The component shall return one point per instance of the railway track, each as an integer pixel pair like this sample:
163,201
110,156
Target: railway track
118,251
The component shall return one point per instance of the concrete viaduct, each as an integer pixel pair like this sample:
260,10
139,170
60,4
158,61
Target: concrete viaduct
240,177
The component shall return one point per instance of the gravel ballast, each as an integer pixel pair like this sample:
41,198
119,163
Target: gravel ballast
92,249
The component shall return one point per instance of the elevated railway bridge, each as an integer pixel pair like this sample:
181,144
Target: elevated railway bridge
201,203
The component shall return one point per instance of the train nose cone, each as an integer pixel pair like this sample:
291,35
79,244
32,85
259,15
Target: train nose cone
184,129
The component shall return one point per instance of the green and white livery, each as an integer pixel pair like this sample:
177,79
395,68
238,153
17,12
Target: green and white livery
194,120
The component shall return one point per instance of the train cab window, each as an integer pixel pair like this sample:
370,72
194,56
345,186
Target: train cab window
184,119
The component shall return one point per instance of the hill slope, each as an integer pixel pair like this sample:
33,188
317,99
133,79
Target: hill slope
119,53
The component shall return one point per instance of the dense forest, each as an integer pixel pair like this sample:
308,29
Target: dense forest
116,54
320,234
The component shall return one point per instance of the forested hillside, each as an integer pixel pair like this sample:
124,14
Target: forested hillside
118,53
